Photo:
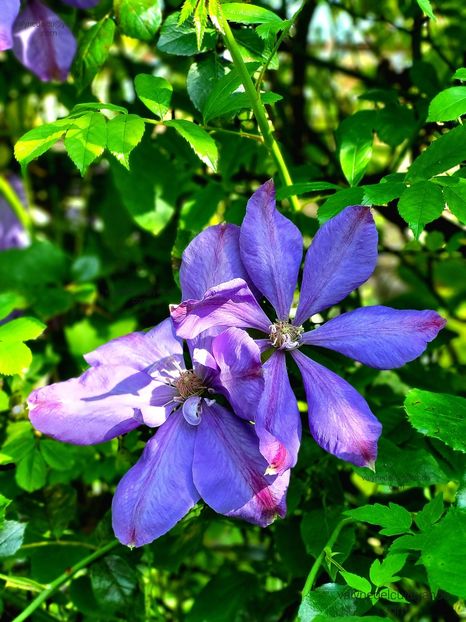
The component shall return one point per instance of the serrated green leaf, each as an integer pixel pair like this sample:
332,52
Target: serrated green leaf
444,153
384,573
39,140
338,201
454,193
154,92
356,582
11,537
460,74
21,329
15,358
139,19
86,139
329,601
181,39
420,204
448,105
426,8
203,145
243,13
94,48
430,513
200,21
382,193
113,581
355,138
394,518
439,415
124,133
59,456
202,77
80,108
31,471
187,10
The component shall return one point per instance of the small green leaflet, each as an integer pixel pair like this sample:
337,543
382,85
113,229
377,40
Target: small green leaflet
10,301
249,14
139,19
200,22
86,139
154,92
94,47
15,356
420,204
454,192
384,573
394,518
356,582
39,140
383,192
202,77
181,39
448,105
426,8
460,74
430,513
200,141
439,415
124,132
11,537
355,138
80,108
441,155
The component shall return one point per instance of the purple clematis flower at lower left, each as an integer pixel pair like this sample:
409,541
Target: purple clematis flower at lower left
205,447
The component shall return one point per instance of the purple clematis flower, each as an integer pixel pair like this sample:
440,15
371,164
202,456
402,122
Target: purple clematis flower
206,446
41,41
12,232
342,256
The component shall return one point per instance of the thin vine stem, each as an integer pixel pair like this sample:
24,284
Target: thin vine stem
257,105
64,578
312,576
15,202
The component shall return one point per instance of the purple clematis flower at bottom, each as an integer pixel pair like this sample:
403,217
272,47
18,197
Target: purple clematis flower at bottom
341,257
202,449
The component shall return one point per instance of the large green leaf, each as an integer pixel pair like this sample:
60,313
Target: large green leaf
124,132
393,518
31,471
86,139
355,138
114,582
448,105
202,77
329,601
420,204
139,19
94,47
203,145
444,153
181,39
439,415
39,140
154,92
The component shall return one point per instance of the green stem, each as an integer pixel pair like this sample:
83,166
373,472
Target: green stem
64,578
15,202
312,576
258,107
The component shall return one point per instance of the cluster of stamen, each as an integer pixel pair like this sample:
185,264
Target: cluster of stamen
285,336
187,385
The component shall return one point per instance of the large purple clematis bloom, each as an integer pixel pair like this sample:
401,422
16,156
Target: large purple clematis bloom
41,41
206,446
342,256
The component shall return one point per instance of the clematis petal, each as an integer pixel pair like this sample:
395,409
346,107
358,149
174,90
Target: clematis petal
43,43
228,469
341,257
240,377
339,417
158,351
271,249
378,336
162,404
99,405
82,4
212,258
192,410
228,304
9,12
159,490
278,423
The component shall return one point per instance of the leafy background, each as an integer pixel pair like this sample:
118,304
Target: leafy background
155,141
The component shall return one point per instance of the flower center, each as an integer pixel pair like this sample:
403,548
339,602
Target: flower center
187,385
285,336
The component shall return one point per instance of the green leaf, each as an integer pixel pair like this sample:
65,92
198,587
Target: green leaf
448,105
200,21
197,212
8,302
114,582
187,10
443,553
356,582
454,193
439,415
59,456
304,187
39,140
420,204
181,39
338,201
154,92
15,358
31,471
86,139
202,77
21,329
355,138
329,601
20,440
203,145
382,193
249,14
11,537
460,74
139,19
394,518
123,134
384,573
444,153
426,8
94,47
430,513
79,108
